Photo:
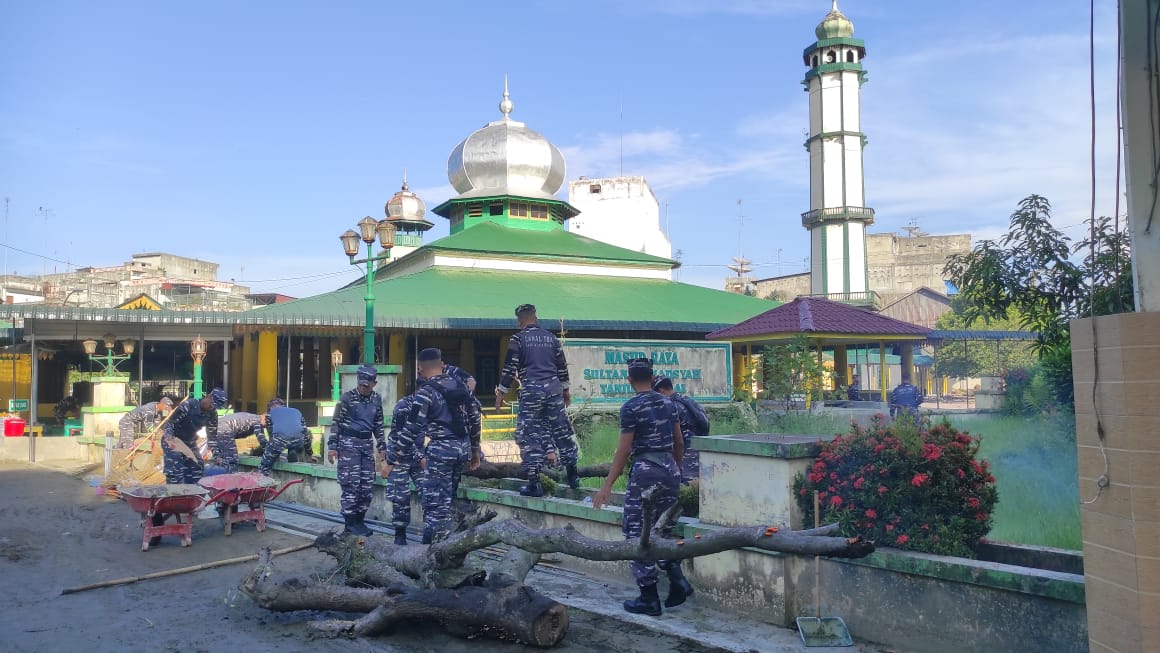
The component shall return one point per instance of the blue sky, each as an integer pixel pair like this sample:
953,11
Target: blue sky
252,134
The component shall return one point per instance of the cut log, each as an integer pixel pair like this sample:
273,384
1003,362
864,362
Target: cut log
500,608
490,470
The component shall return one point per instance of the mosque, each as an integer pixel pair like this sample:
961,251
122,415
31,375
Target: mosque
508,245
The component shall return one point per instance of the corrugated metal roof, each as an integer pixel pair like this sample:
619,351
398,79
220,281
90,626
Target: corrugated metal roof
817,315
966,334
455,298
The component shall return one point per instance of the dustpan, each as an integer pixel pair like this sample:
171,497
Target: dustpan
818,630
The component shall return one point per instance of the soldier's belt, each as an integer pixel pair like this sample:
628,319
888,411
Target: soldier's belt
357,436
661,457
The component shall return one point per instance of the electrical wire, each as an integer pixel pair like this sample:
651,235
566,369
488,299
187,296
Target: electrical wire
1102,481
47,258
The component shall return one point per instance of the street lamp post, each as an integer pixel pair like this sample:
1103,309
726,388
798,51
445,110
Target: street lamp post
109,360
197,351
368,228
335,360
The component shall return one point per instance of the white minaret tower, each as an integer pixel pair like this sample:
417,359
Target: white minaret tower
838,214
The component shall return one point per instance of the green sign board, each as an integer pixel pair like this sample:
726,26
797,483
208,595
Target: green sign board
599,368
17,405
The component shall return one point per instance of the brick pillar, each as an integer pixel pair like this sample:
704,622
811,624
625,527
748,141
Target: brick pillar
1121,524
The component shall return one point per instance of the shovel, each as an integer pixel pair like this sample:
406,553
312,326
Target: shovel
818,630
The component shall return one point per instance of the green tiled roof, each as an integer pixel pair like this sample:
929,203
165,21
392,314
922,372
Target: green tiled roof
491,238
449,298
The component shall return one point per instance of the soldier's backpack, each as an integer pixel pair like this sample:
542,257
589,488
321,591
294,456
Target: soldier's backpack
458,400
697,415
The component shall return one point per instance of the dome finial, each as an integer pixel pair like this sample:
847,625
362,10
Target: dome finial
834,6
405,178
506,105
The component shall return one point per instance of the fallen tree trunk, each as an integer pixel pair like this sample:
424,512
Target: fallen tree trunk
489,470
502,607
468,601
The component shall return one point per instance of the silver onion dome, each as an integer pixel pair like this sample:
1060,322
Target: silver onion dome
406,209
506,158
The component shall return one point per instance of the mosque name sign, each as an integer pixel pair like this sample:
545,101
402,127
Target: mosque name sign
599,368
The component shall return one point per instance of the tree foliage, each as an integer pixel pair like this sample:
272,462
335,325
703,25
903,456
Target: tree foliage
790,369
1033,271
976,358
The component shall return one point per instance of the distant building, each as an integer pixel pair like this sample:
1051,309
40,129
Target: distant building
621,211
175,282
897,265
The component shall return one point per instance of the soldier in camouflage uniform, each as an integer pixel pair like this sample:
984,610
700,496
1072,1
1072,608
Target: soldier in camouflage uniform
405,462
231,428
188,418
694,422
355,433
650,431
140,420
440,410
536,357
287,431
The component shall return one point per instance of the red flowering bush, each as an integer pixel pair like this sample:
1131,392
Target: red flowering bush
911,489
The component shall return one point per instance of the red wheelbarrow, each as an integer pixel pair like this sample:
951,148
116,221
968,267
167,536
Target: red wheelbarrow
179,500
250,488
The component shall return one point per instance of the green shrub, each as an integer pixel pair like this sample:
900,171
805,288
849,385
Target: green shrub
922,490
689,497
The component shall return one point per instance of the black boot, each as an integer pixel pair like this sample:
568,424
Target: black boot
428,535
350,524
401,535
648,602
679,587
359,526
573,477
533,488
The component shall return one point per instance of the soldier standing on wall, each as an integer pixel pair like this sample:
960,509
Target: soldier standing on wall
536,357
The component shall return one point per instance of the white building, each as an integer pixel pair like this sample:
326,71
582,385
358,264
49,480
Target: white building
621,211
838,214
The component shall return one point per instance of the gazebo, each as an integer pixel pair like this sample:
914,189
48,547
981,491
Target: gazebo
826,324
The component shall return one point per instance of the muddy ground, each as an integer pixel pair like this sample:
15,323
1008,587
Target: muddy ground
56,532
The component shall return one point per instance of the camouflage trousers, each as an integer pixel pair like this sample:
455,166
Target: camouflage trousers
356,473
644,475
399,491
446,459
542,426
178,467
127,430
690,465
279,443
225,452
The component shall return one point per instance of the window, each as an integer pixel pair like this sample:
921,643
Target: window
518,210
850,56
831,57
594,189
495,209
538,212
474,210
814,61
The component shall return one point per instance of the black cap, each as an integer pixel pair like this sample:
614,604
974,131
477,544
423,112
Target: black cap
525,308
662,383
274,403
430,354
367,374
639,364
